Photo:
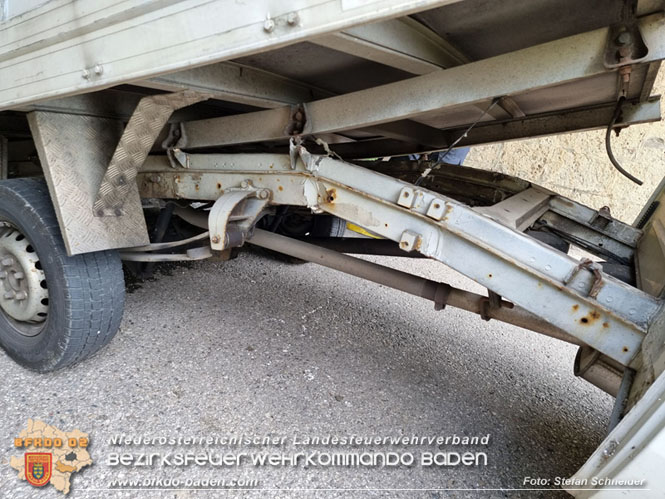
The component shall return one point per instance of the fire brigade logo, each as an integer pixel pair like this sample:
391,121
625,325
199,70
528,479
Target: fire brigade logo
38,468
50,456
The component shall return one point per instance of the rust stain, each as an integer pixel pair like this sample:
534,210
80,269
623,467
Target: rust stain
219,185
196,186
576,308
489,275
592,317
446,212
606,324
331,195
625,349
281,188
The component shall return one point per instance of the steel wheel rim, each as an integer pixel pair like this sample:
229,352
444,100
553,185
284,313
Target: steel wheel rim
24,298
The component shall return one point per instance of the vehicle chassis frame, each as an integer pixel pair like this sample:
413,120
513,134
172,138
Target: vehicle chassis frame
599,310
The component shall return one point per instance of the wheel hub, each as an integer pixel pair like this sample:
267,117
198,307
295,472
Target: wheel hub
23,293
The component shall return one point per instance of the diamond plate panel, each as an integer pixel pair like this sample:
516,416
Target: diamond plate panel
74,152
144,126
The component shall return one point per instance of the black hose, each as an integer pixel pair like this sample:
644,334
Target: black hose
162,224
608,145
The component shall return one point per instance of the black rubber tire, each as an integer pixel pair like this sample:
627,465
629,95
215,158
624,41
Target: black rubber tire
86,292
328,226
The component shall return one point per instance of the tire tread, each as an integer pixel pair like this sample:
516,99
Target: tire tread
94,283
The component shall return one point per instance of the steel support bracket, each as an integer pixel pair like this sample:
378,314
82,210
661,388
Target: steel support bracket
233,215
625,45
441,296
139,135
173,144
489,304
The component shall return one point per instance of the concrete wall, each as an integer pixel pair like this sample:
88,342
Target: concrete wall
576,165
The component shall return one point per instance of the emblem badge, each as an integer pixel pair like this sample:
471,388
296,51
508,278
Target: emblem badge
38,468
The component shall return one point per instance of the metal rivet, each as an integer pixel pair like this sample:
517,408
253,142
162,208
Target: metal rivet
99,69
85,74
9,295
268,25
293,18
6,262
215,239
3,274
21,295
18,275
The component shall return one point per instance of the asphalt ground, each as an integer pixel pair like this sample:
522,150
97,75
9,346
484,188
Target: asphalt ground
256,346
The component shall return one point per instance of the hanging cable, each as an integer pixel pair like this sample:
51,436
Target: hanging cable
427,171
608,144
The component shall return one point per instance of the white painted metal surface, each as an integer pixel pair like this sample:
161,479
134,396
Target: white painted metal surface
631,457
13,8
72,46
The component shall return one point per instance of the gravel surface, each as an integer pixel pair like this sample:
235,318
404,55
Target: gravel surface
259,347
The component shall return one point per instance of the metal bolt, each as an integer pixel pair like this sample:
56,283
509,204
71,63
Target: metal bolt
293,18
21,295
215,239
610,449
623,39
244,184
6,262
99,69
18,275
9,295
85,74
268,25
263,194
155,179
